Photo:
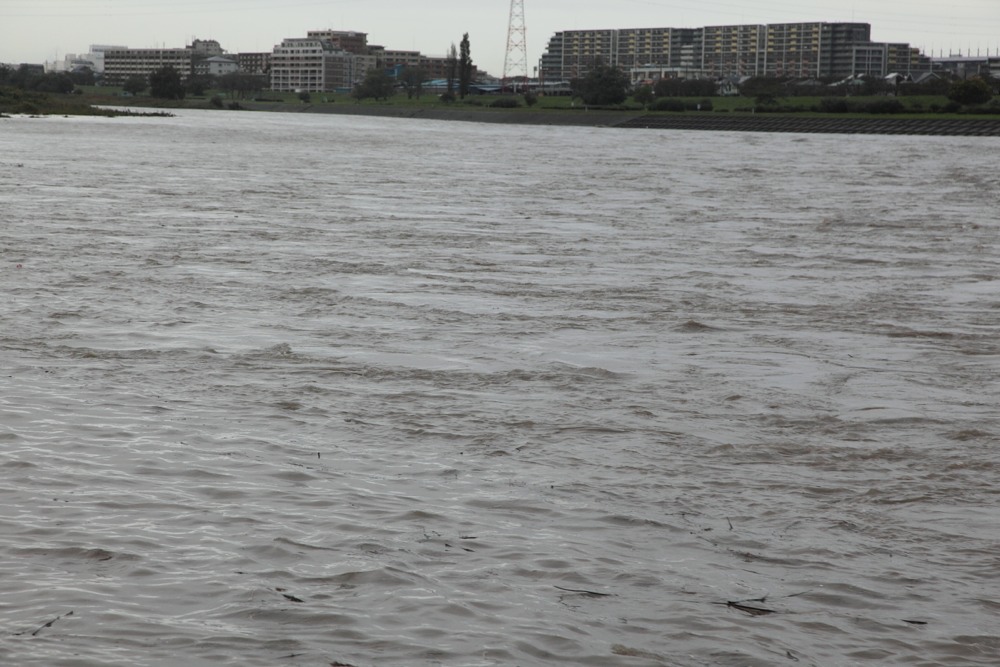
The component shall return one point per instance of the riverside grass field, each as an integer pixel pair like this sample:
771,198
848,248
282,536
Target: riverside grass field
293,389
917,106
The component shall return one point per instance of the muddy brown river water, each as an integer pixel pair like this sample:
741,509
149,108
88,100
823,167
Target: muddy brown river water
296,390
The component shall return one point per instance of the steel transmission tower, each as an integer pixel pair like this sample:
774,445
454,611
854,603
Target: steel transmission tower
515,62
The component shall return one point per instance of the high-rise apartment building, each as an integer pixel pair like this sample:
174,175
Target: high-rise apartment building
732,50
800,50
837,42
573,53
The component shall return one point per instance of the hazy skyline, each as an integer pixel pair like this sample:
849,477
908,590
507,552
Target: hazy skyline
45,30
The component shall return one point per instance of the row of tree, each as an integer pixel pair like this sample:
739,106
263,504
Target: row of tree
608,85
459,69
27,77
167,83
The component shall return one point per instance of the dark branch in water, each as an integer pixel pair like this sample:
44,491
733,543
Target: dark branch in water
48,625
753,611
584,592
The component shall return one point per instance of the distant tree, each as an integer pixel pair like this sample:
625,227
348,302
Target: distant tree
464,67
937,85
671,87
165,83
197,85
34,77
242,84
452,69
970,92
53,82
765,101
644,95
135,85
25,76
603,84
875,85
413,79
530,98
377,85
82,77
769,87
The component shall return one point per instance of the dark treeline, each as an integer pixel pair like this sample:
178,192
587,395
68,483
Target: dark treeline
29,77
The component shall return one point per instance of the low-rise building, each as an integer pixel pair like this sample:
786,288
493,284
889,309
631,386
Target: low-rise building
434,67
965,67
215,66
93,60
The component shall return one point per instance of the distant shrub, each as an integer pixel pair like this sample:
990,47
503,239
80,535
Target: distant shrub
447,97
884,106
704,105
505,103
234,106
992,109
781,108
951,107
834,105
216,102
644,95
531,98
970,92
668,104
305,97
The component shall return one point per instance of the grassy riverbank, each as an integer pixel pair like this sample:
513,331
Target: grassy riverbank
550,110
30,103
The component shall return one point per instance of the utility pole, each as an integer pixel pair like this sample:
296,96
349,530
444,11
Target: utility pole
515,61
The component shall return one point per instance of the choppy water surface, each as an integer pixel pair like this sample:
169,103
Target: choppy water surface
286,390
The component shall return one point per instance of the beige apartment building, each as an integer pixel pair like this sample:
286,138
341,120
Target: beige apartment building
799,50
333,60
316,64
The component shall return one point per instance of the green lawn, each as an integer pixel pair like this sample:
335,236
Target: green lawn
920,106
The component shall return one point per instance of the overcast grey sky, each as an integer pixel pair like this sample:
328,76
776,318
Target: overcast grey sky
40,30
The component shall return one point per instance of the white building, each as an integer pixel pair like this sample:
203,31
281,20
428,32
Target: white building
215,66
93,59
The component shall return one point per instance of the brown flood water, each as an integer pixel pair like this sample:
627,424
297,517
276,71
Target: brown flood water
310,390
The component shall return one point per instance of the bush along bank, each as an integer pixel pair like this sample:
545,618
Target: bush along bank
804,124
